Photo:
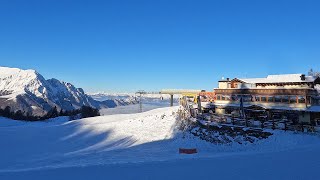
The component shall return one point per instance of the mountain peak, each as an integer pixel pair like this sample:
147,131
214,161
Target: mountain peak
7,71
29,91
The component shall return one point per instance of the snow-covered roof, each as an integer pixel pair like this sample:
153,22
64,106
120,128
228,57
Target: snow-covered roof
283,78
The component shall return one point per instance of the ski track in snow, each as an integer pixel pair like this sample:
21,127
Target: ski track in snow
122,139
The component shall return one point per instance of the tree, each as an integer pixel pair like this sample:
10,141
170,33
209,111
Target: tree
7,112
29,116
84,112
310,72
18,115
87,111
61,113
52,113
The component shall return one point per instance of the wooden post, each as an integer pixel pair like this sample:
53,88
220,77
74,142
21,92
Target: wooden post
310,100
289,99
140,103
199,104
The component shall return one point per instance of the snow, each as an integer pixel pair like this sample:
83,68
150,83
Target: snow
5,122
145,146
313,109
282,78
147,105
258,166
16,80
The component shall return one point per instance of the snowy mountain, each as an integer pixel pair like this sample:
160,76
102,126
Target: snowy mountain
29,91
112,96
102,96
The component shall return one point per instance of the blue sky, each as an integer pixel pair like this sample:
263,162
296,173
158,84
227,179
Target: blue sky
128,45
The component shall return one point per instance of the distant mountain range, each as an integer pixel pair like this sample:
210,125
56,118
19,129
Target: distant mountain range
102,96
29,91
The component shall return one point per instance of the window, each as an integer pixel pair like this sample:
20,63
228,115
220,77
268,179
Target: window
309,100
246,98
257,98
223,97
301,99
270,98
285,99
218,97
263,99
249,98
234,98
277,99
293,99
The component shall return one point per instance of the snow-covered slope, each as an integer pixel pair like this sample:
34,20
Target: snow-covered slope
145,146
29,91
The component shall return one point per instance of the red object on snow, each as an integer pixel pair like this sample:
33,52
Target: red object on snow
187,151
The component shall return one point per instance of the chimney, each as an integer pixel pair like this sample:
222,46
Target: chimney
228,79
303,77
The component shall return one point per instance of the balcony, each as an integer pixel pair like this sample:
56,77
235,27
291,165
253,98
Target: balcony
302,92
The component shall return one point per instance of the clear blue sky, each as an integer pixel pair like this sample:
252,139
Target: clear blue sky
128,45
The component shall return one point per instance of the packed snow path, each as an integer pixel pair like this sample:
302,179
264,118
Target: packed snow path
145,146
295,165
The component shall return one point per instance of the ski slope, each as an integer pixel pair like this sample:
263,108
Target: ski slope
145,146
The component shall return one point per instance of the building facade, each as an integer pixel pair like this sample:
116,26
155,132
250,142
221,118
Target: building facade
295,94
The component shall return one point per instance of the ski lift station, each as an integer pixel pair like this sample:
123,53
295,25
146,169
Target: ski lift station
182,92
172,92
